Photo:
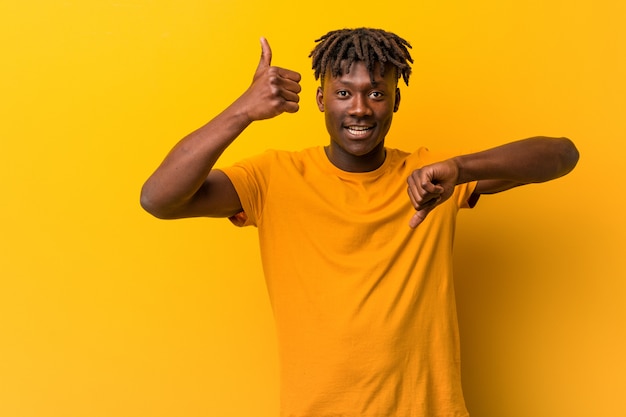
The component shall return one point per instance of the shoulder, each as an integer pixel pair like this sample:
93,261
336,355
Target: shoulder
267,158
415,159
426,155
273,156
429,156
274,162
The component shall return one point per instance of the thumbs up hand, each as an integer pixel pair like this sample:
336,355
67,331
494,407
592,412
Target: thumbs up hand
274,90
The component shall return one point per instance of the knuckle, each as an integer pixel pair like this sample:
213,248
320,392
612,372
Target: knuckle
273,76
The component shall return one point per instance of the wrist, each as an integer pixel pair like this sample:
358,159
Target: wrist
462,176
241,113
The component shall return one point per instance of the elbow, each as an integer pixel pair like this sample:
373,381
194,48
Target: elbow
150,204
568,155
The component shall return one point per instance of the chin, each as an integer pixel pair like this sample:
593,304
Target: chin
361,149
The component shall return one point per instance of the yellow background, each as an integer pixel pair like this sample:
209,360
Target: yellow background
105,311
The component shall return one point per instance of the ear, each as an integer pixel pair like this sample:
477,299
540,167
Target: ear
319,97
396,106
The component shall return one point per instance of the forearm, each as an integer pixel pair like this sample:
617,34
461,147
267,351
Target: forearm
526,161
185,168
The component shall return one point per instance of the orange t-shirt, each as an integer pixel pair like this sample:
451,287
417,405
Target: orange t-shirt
364,305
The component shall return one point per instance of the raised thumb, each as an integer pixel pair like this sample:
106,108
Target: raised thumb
266,55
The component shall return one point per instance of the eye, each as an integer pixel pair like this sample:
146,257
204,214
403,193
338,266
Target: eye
376,94
342,93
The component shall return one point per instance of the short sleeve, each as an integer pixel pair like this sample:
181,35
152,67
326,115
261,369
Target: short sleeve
250,177
467,198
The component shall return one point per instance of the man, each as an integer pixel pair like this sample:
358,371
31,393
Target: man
359,274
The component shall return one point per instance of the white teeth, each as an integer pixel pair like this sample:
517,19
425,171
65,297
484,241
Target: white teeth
358,130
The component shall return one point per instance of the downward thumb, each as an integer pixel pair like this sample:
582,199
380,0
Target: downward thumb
417,218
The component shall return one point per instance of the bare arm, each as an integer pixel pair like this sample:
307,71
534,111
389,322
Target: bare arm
526,161
185,184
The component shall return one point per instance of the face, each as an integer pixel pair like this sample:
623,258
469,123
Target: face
358,115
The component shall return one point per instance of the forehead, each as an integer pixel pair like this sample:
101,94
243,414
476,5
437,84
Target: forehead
357,71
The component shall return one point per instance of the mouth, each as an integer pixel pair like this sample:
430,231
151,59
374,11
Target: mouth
358,131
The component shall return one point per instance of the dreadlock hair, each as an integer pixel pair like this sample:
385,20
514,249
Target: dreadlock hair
338,49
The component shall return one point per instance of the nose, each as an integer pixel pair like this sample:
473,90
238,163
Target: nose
359,106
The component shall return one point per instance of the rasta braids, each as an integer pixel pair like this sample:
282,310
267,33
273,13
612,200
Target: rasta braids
338,49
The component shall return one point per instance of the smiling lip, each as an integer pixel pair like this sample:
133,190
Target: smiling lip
358,131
